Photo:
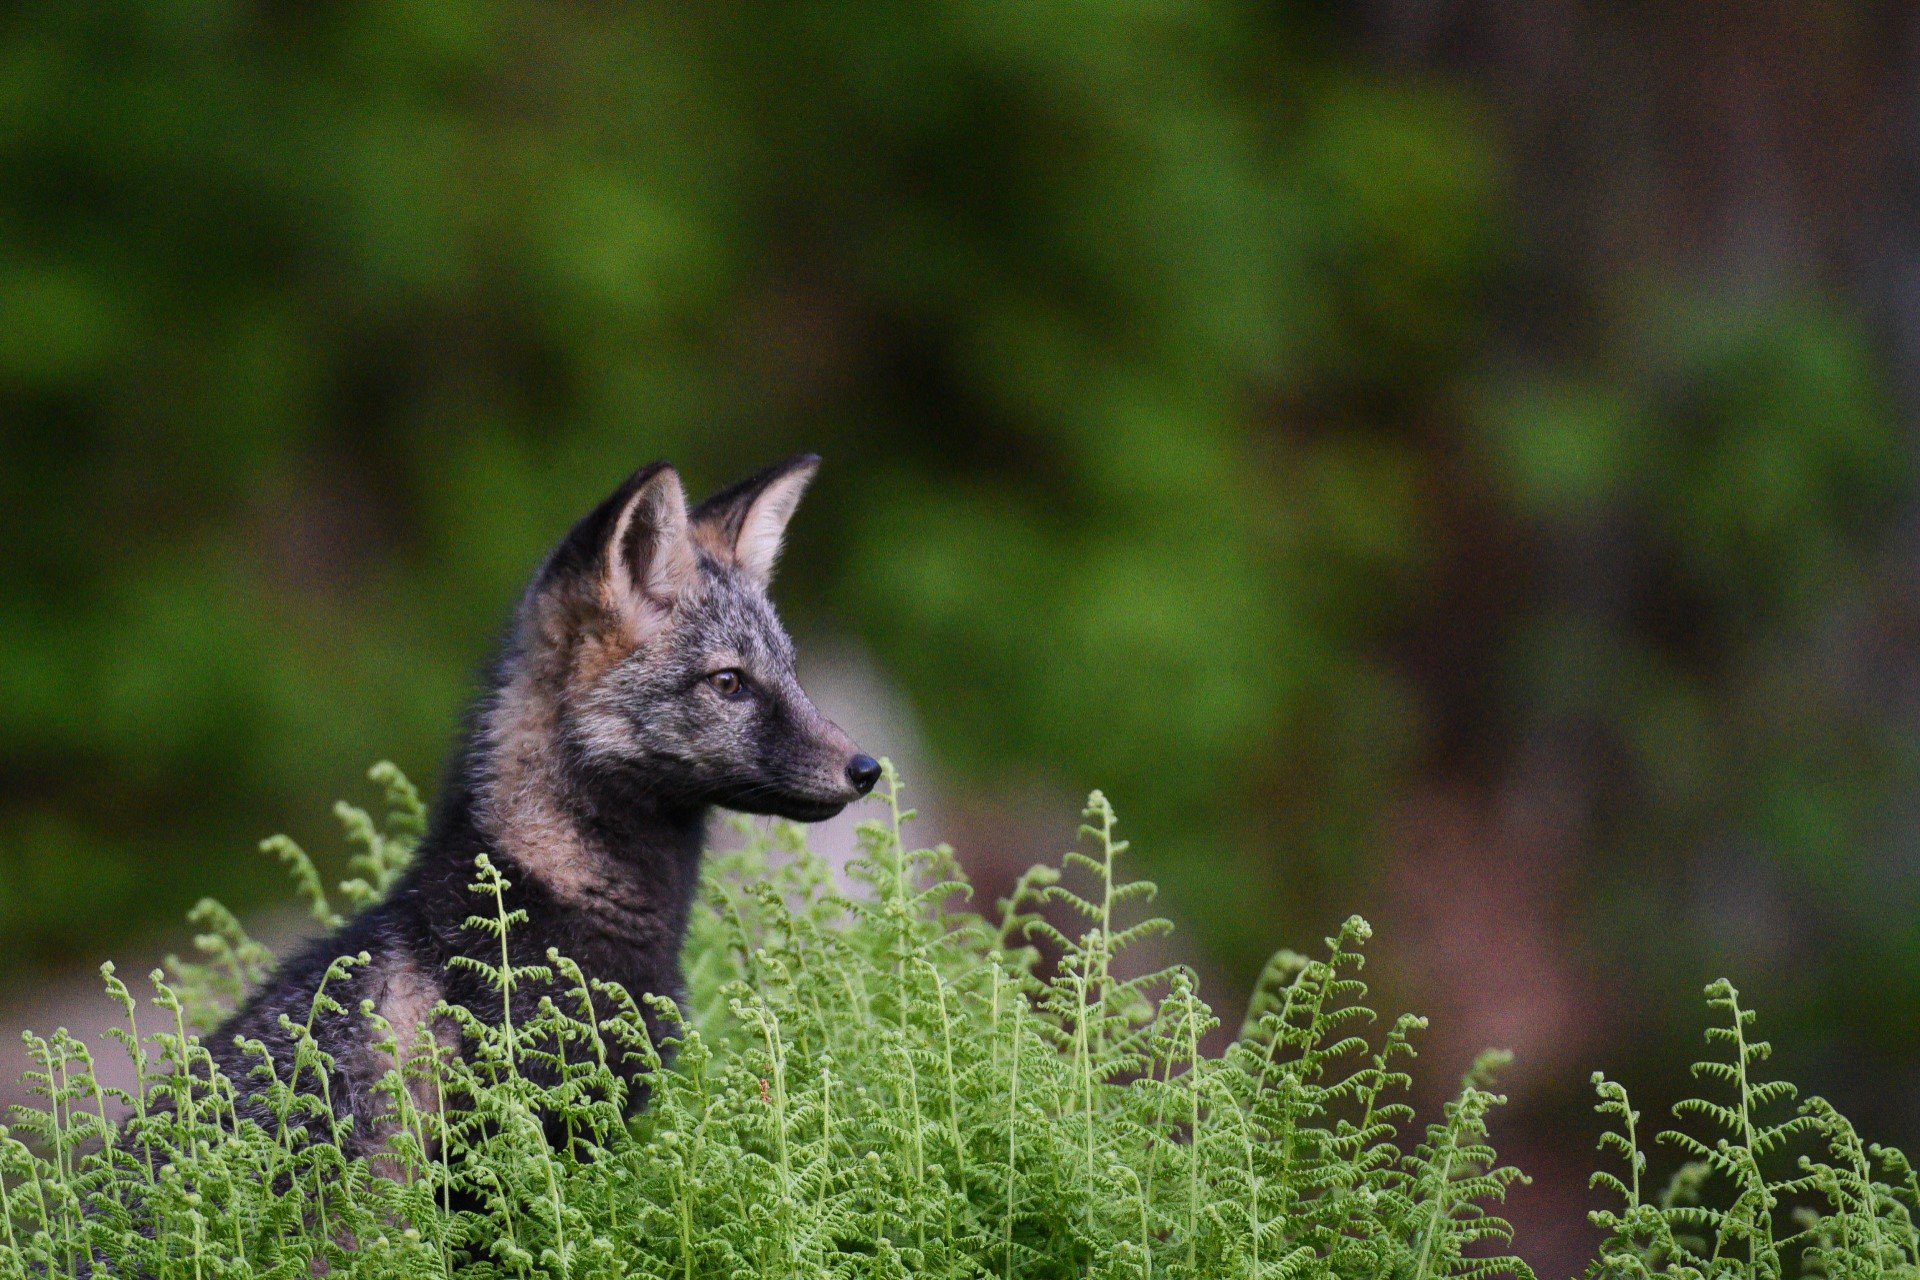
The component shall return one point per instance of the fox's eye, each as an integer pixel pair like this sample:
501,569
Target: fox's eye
729,684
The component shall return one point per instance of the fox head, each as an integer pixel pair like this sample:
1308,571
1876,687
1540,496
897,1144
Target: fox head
647,649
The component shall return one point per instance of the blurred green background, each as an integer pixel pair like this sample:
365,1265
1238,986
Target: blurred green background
1448,460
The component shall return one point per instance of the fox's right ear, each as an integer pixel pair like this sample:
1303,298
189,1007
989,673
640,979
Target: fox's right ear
649,557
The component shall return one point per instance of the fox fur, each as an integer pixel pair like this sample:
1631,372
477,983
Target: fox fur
644,680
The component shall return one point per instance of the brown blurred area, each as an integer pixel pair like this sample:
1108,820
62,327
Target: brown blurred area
1759,150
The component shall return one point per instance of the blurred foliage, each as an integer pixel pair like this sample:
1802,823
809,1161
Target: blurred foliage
322,321
1190,431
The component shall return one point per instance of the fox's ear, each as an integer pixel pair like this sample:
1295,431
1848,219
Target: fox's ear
650,564
743,525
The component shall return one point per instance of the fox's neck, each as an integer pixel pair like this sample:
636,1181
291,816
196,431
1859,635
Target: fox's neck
602,846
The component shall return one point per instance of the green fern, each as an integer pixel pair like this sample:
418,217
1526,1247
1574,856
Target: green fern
870,1079
1770,1190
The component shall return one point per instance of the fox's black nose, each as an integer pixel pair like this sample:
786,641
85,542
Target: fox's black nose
863,771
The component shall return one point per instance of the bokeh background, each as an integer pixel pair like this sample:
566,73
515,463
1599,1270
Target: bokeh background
1453,460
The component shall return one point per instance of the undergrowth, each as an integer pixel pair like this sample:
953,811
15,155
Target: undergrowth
871,1079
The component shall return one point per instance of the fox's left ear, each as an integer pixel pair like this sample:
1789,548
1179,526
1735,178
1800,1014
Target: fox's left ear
743,525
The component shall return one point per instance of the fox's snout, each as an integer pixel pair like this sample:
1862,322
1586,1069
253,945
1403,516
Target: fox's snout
846,763
820,770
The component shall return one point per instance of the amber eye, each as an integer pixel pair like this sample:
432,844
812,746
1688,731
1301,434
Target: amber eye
728,684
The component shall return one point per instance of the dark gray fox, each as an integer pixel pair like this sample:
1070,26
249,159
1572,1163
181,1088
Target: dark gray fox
644,680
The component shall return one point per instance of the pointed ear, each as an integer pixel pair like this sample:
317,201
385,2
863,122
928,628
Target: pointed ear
743,525
650,563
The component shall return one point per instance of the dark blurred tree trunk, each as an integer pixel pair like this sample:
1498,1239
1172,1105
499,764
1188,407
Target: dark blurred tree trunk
1888,263
1742,149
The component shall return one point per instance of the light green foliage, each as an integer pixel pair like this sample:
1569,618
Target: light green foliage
1768,1191
870,1079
